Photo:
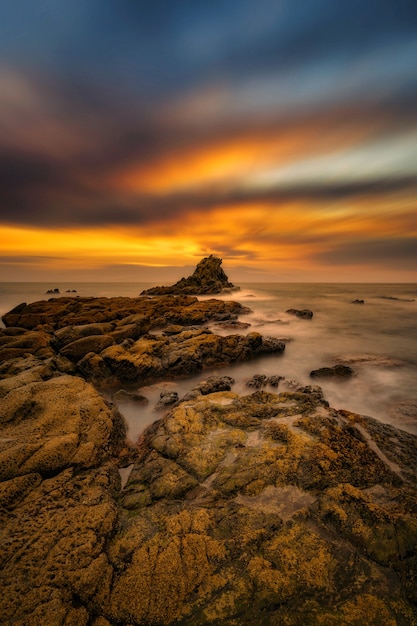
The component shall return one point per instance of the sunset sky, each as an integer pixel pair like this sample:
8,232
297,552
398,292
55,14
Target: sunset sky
138,136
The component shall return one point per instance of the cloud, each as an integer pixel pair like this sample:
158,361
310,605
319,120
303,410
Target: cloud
85,180
254,131
389,253
28,259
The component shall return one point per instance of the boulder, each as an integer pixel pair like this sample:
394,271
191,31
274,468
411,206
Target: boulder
50,425
208,278
68,334
77,349
337,371
267,509
190,352
166,399
257,381
18,342
212,384
123,396
305,314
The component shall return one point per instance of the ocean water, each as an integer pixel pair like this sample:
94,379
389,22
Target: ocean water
378,339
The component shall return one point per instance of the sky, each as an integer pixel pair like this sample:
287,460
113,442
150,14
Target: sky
139,136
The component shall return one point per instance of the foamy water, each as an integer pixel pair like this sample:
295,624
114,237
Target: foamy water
378,339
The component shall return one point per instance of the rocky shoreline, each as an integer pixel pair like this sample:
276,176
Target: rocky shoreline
260,509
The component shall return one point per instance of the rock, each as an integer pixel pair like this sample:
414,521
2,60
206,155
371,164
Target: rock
18,342
337,371
267,505
212,384
71,319
208,278
153,357
44,430
257,381
166,398
266,508
58,486
68,334
53,548
123,396
274,380
77,349
56,290
303,313
357,301
395,298
232,325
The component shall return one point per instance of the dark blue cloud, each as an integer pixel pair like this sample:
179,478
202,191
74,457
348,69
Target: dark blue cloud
113,71
161,46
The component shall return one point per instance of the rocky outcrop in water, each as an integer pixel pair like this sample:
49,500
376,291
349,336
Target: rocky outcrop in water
270,508
303,313
108,340
336,371
208,278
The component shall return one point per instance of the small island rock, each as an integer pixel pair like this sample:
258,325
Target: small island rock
208,278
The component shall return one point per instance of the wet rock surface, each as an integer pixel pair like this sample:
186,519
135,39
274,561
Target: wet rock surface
303,313
337,371
270,508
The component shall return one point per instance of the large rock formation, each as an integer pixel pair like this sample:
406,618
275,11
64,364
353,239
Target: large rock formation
263,509
270,508
208,278
108,340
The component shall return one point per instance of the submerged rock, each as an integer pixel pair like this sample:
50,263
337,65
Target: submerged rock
123,396
303,313
166,399
337,371
208,278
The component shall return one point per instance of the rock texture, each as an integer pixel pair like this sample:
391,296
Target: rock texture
337,371
208,278
108,340
269,508
303,313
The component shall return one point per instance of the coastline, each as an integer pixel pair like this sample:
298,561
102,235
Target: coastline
232,505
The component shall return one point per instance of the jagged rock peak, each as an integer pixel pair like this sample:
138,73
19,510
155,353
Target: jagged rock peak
208,278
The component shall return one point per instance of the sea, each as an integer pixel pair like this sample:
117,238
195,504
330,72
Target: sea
377,338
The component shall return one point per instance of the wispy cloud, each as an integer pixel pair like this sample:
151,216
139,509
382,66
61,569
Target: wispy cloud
236,129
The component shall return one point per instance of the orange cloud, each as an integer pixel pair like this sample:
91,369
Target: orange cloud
230,156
